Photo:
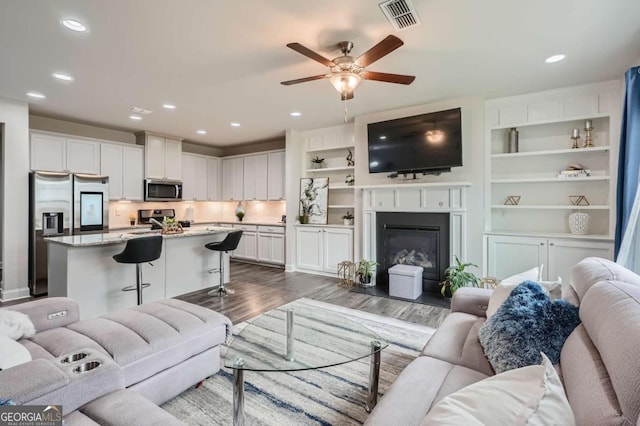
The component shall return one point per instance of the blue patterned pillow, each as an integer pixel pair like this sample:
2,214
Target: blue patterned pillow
526,324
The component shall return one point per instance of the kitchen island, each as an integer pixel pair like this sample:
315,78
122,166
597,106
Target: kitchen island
82,268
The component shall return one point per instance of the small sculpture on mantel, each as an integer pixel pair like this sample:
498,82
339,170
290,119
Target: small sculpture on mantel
350,161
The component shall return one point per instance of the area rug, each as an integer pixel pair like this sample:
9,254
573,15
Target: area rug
330,396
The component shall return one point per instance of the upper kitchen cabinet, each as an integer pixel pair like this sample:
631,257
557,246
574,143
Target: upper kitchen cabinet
163,156
61,154
275,181
194,177
232,179
124,166
255,177
213,179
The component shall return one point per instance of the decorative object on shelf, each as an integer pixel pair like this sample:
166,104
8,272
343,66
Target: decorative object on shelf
348,219
579,223
513,140
317,163
457,277
350,161
575,136
303,219
350,180
588,128
578,200
132,219
512,200
489,282
574,171
346,273
239,211
171,226
313,199
364,271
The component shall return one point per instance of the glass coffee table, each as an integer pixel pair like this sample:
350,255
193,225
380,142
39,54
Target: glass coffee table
300,338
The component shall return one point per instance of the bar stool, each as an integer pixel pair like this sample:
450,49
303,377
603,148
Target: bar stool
139,251
229,243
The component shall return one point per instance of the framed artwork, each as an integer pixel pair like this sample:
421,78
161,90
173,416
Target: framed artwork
314,200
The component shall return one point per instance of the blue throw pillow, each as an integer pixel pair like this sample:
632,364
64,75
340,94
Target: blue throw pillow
527,323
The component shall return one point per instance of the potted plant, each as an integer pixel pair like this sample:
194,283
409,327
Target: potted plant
364,271
457,277
349,180
132,219
348,219
317,162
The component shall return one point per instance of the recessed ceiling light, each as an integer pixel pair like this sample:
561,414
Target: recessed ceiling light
295,114
201,132
74,25
135,117
234,124
554,58
62,76
36,95
382,138
168,106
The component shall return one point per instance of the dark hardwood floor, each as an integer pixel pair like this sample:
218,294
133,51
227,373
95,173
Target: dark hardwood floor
262,288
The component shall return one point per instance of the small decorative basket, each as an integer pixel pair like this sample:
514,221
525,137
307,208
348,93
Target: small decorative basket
172,228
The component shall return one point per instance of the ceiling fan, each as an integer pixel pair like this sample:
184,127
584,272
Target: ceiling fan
345,73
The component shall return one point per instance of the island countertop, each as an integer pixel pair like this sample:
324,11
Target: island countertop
118,237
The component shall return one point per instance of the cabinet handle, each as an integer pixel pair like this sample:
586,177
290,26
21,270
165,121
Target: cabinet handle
551,244
541,244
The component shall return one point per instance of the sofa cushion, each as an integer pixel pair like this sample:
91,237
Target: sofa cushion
56,342
601,361
420,385
76,418
592,270
530,395
12,353
502,290
527,324
456,342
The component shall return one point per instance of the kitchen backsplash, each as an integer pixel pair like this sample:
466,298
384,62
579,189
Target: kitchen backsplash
215,211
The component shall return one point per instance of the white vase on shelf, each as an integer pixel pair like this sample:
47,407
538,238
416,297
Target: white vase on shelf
579,223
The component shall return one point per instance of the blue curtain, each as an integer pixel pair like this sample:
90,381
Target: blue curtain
629,159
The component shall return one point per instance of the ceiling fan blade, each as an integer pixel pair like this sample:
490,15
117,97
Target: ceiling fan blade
310,54
345,96
304,80
389,78
386,46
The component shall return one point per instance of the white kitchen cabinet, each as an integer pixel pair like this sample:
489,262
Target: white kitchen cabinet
276,176
255,177
194,177
271,244
213,179
321,249
248,245
508,255
163,156
61,154
232,179
124,166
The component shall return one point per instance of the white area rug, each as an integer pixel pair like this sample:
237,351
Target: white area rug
330,396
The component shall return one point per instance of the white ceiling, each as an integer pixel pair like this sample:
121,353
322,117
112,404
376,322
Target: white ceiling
222,61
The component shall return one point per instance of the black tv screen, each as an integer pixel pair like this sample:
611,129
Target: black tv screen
422,143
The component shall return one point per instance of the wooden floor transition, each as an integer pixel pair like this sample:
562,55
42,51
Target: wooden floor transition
262,288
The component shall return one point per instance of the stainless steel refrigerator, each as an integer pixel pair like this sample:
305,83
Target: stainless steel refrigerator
62,204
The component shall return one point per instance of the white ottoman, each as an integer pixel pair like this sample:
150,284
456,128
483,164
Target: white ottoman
405,281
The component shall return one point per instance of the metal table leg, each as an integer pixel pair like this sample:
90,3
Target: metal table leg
238,393
374,376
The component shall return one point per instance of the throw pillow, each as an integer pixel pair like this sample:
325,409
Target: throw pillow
15,325
12,353
527,396
502,290
527,323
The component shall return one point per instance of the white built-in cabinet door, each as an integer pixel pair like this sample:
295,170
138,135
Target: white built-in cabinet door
338,247
249,178
111,164
277,249
83,156
233,178
261,176
247,247
508,255
132,173
201,179
271,248
48,153
189,180
154,157
275,179
309,243
213,179
563,254
172,159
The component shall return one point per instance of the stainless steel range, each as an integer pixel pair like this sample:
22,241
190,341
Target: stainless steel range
145,216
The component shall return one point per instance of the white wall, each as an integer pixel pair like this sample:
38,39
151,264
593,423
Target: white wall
15,182
293,154
471,171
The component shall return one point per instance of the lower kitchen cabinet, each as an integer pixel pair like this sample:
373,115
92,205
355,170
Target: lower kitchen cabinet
509,255
264,244
247,247
322,248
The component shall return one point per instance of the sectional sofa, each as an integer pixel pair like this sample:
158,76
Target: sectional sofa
116,369
599,364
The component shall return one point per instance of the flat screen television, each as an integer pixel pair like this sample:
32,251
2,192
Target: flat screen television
426,143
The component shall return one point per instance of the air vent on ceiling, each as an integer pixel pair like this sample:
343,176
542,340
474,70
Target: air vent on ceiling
139,110
401,13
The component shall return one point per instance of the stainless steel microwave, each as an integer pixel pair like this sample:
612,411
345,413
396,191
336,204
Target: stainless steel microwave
162,190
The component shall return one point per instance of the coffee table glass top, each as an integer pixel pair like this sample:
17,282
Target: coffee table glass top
321,338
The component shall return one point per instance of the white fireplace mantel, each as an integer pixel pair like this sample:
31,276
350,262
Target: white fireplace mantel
416,198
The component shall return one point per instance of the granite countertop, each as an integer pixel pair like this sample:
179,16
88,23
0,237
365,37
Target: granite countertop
117,237
210,224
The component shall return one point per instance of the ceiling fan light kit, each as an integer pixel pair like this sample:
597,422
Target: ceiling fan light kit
345,73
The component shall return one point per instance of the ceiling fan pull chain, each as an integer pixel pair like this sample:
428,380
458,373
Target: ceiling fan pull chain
346,111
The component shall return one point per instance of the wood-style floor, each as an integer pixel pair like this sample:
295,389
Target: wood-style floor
262,288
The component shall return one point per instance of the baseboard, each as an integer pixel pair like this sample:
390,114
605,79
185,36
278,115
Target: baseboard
14,294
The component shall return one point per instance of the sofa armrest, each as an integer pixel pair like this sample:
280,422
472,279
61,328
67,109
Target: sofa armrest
31,380
471,300
49,313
